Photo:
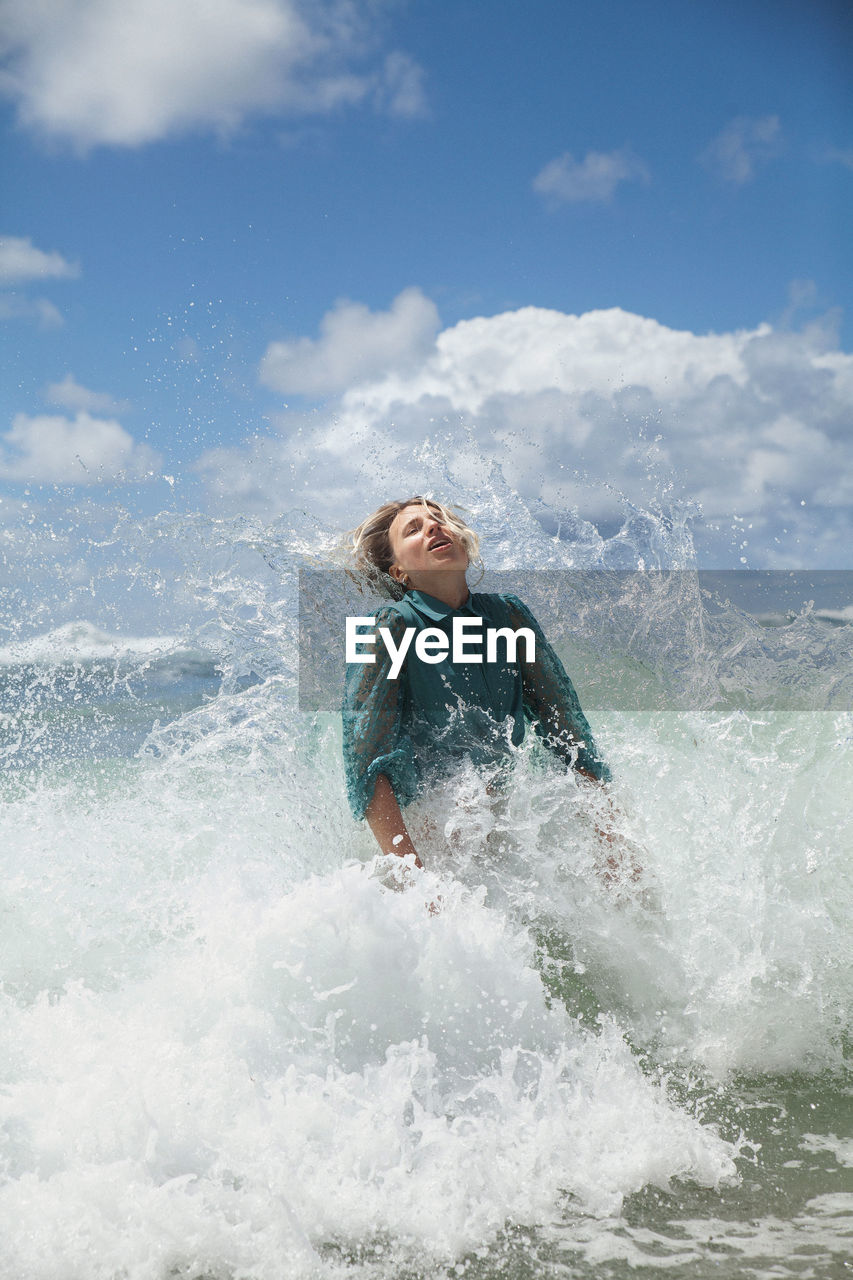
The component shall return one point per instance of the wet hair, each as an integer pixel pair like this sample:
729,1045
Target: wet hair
371,544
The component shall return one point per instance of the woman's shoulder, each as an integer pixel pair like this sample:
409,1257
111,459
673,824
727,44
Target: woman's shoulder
394,614
501,602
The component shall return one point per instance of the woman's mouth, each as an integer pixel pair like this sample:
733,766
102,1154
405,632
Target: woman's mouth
441,540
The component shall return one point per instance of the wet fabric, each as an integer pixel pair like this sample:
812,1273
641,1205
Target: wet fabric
415,727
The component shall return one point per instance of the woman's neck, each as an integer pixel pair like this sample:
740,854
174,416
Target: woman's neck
447,585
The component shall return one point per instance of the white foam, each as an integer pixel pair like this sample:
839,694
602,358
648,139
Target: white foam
263,1050
230,1045
82,642
337,1062
840,1148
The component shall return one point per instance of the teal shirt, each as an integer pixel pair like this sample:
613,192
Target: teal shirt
413,728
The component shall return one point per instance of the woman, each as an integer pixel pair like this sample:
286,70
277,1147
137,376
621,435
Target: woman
403,730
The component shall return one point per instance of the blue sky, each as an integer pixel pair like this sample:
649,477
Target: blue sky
246,245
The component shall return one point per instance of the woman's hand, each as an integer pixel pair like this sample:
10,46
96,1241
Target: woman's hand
621,864
386,822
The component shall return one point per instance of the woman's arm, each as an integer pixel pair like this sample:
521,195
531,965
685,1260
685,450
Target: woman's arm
386,821
379,762
552,704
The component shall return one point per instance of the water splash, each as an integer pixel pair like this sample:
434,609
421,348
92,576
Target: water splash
270,1059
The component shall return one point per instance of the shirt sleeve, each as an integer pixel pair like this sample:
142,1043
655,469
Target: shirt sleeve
375,724
551,703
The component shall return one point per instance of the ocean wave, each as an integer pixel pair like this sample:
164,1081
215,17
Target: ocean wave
274,1064
82,644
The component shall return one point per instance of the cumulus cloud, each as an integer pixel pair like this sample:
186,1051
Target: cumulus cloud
20,261
52,449
128,72
753,424
744,145
400,88
70,394
839,155
15,306
355,344
592,180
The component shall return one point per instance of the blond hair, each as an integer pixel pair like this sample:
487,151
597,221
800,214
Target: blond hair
371,548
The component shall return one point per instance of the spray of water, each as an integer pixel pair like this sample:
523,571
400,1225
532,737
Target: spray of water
234,1047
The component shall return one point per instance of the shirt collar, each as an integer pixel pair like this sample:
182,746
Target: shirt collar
429,607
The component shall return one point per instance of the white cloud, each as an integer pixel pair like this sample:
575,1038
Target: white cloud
591,180
52,449
20,260
355,344
839,155
743,145
751,423
525,352
69,394
128,72
14,306
400,90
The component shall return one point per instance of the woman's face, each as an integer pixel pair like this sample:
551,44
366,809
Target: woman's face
421,543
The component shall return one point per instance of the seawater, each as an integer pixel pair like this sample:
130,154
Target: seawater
232,1047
